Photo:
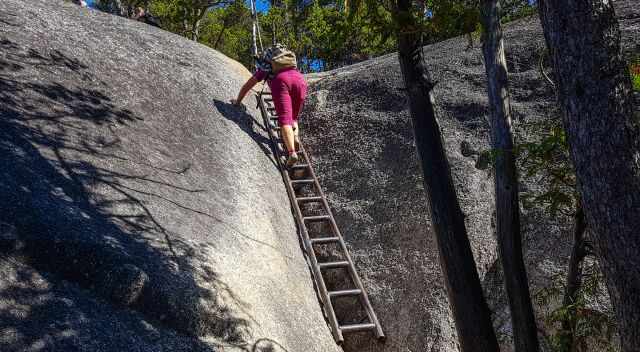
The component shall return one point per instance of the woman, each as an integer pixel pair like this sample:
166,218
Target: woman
288,89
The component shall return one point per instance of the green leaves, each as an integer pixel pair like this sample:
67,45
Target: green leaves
228,29
593,327
329,33
548,160
184,16
634,70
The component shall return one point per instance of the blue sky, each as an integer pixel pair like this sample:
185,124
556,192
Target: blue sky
261,5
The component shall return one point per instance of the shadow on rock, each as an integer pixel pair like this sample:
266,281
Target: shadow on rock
117,246
247,123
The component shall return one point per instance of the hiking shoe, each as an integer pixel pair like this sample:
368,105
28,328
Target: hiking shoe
292,160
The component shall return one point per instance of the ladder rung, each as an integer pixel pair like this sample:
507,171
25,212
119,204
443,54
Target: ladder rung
325,240
309,199
333,265
300,166
344,293
357,327
302,182
316,218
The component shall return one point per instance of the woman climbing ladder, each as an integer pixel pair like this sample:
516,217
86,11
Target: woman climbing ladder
288,89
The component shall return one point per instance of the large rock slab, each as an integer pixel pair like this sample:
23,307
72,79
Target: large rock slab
358,129
142,212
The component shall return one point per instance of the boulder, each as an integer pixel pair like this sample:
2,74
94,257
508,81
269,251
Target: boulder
357,127
149,212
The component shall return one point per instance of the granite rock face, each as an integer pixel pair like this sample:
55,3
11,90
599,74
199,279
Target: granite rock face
139,211
358,129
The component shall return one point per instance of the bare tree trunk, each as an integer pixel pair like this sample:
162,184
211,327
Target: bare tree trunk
594,91
506,183
574,279
195,31
471,314
274,39
195,23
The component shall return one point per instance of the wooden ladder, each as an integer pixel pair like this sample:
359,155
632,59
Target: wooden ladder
304,189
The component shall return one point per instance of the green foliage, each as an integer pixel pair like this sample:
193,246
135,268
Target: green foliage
365,33
452,18
593,328
515,9
547,160
634,70
331,32
184,16
228,29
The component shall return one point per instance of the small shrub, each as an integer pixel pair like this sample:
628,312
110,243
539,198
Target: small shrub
635,78
593,327
635,75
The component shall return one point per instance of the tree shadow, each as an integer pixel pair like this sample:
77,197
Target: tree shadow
54,315
373,94
247,123
467,112
115,246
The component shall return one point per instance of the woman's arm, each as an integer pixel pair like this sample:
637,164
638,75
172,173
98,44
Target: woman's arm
244,90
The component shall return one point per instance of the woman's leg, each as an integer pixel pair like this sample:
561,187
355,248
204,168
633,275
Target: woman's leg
288,137
298,95
296,134
284,108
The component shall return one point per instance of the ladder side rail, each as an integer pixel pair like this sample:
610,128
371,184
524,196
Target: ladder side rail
356,278
317,273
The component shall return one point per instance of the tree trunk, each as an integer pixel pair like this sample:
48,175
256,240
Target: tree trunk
574,279
506,183
219,38
195,31
594,91
195,23
471,314
274,39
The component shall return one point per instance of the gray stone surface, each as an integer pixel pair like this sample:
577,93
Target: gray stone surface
148,213
358,130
